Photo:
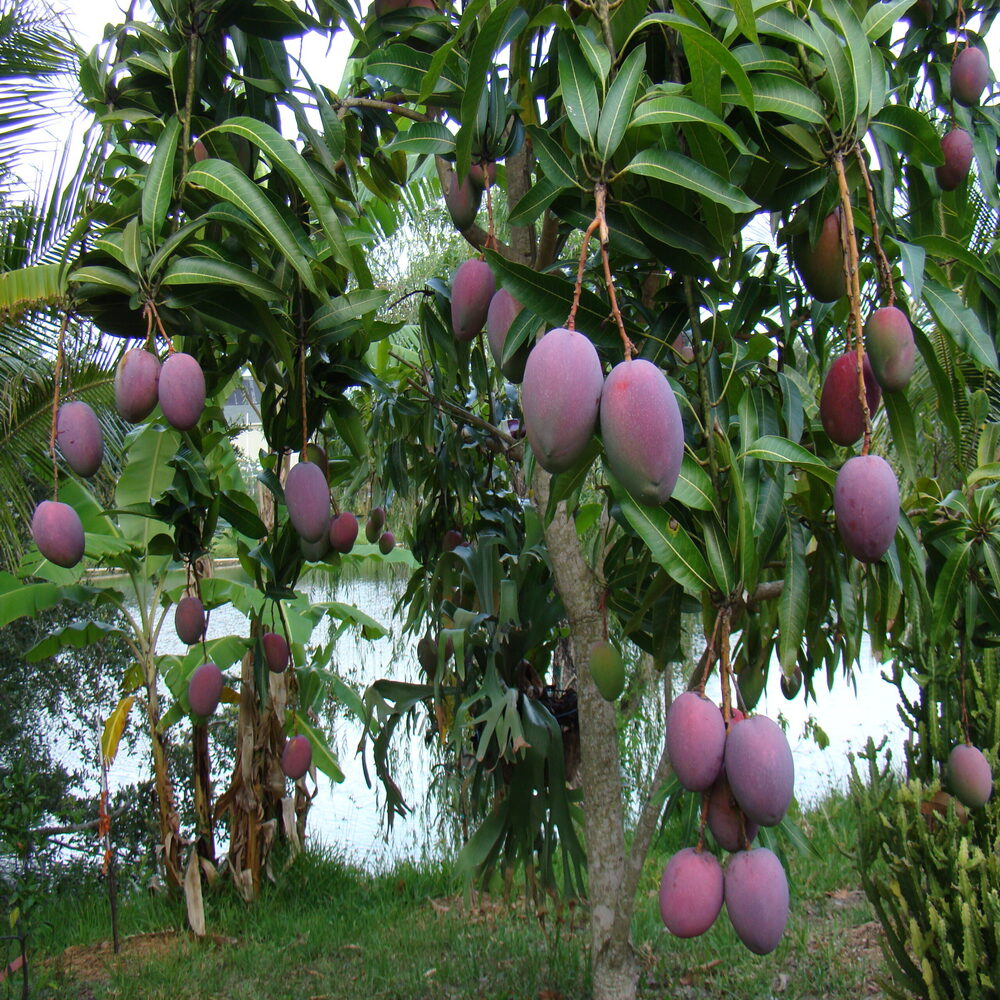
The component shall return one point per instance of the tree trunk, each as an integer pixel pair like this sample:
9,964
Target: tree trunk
205,833
614,966
167,811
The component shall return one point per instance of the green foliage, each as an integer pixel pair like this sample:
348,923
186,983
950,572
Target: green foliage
931,874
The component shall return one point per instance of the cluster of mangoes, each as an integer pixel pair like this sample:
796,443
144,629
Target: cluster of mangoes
566,400
320,531
207,682
745,769
476,302
141,382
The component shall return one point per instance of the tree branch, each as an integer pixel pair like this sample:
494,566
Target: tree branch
53,831
370,102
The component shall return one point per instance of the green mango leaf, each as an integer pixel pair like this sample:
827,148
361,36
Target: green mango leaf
710,47
579,89
682,171
550,296
209,271
904,435
281,153
950,588
227,181
594,51
880,17
555,163
617,110
746,18
668,543
675,109
912,259
772,448
838,70
108,277
961,324
908,131
534,201
785,97
158,190
241,512
424,138
694,486
399,65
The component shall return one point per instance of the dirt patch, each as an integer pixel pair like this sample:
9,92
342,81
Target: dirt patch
89,963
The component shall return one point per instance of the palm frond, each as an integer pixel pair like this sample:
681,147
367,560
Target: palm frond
38,64
26,390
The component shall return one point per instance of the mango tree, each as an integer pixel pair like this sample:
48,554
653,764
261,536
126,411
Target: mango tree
760,202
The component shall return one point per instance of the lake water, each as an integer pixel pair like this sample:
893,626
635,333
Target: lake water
349,816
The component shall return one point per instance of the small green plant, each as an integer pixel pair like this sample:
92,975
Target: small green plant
935,889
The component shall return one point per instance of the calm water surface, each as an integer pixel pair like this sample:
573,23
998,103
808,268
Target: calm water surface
348,816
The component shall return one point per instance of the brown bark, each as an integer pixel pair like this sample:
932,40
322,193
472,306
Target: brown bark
614,966
204,830
166,809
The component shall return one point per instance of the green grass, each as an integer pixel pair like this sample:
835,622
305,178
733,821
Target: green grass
325,930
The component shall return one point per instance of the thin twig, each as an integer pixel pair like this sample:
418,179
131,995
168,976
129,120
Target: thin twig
854,292
885,271
369,102
601,194
578,288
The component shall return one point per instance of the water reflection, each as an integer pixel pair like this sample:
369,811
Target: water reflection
349,817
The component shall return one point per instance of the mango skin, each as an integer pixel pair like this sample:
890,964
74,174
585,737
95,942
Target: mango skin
970,72
890,347
724,817
759,769
78,434
343,532
276,652
970,776
189,620
866,504
182,391
691,892
58,532
756,891
560,397
471,291
821,265
607,670
642,430
462,201
956,146
375,524
137,379
307,497
386,543
503,310
316,551
839,408
296,758
205,689
696,740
